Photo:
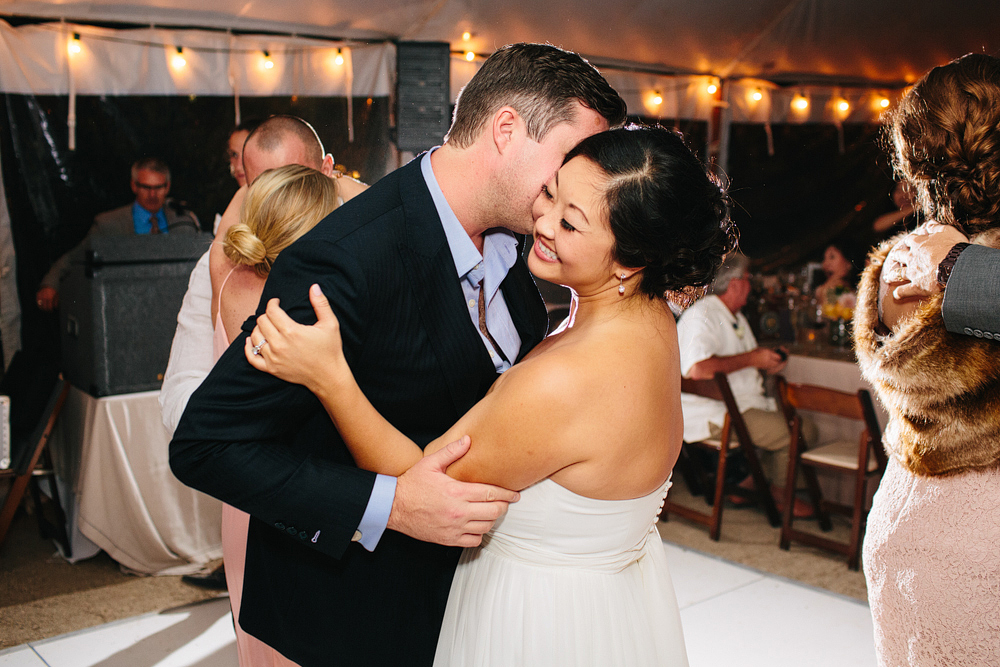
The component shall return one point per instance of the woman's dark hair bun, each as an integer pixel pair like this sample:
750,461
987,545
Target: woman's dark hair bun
667,214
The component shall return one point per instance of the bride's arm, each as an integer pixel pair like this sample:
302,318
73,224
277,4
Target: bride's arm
517,430
313,357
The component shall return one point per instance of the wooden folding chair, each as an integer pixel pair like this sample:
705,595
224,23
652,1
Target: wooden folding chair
718,389
862,461
27,452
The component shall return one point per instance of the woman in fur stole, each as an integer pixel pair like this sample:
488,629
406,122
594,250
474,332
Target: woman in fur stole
932,548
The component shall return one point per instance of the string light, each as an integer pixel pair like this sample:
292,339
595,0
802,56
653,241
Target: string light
466,36
843,106
470,56
74,44
757,95
657,99
712,88
268,63
179,61
884,102
800,103
340,57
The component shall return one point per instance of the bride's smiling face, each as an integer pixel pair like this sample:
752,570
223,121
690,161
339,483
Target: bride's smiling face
573,241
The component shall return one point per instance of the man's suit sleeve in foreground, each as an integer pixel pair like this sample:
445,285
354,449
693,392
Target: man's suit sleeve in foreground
972,299
266,446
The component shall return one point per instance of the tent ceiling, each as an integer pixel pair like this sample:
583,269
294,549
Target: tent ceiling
790,41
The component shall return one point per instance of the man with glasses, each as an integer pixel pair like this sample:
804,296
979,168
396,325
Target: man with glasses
152,212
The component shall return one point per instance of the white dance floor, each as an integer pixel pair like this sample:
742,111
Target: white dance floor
731,615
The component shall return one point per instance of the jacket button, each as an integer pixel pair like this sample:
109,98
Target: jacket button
977,333
279,526
968,331
291,530
303,535
988,335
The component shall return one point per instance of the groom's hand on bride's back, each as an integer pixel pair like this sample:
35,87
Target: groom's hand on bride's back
431,506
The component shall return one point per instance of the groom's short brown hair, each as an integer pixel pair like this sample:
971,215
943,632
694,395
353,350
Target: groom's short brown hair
541,82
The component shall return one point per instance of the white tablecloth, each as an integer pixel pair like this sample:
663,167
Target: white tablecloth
112,455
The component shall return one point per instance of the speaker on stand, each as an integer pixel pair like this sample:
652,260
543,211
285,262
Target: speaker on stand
422,94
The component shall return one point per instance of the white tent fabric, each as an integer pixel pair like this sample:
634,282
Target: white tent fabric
35,59
795,41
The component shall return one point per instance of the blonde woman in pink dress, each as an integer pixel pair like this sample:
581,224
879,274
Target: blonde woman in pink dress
280,206
932,547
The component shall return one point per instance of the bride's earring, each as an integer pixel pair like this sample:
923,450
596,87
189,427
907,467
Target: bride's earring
621,284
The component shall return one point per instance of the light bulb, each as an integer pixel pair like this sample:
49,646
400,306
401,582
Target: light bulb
340,57
74,44
884,102
179,61
657,99
466,36
268,63
470,56
800,103
843,106
757,96
712,89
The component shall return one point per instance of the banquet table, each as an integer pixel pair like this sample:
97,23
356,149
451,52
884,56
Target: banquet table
119,495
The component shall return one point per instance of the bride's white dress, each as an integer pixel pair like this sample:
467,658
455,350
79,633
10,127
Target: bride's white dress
565,580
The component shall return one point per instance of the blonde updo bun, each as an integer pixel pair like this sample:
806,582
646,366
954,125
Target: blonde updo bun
280,206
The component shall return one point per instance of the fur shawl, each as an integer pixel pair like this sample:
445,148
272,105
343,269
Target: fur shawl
941,389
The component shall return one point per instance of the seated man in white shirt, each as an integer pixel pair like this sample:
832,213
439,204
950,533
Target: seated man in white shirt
714,336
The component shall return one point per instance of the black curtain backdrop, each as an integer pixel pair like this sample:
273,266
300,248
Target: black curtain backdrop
53,193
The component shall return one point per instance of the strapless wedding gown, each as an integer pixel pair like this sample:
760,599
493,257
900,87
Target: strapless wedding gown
565,580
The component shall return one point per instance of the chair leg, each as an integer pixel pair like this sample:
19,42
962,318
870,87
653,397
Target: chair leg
715,529
762,487
787,514
853,554
816,496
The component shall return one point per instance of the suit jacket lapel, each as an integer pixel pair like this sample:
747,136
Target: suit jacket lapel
431,269
527,310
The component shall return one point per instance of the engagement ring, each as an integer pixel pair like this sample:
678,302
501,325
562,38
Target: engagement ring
256,348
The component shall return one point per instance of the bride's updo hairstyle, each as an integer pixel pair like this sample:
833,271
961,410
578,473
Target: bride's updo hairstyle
946,138
668,216
280,206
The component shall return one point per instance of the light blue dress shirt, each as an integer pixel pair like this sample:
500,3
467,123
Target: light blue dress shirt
499,254
142,220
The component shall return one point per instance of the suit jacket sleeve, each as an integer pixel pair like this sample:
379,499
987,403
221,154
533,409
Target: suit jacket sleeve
266,446
971,303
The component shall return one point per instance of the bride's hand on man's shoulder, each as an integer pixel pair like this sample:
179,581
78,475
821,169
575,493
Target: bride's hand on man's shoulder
297,353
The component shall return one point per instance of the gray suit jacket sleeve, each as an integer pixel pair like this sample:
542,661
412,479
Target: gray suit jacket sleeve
971,303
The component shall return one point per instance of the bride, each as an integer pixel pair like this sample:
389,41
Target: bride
587,427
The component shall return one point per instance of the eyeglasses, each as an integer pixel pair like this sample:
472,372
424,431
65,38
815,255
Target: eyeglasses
151,186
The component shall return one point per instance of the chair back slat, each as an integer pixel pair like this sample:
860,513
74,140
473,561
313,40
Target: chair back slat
825,400
703,388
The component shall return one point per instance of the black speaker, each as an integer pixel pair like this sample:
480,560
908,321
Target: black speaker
422,94
118,310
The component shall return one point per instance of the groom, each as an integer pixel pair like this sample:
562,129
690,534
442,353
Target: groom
404,266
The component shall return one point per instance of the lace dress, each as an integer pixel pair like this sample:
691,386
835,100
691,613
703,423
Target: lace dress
565,580
932,563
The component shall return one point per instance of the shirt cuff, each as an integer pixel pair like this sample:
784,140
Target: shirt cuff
376,515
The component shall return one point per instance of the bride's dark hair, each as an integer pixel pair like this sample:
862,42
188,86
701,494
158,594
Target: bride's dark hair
668,216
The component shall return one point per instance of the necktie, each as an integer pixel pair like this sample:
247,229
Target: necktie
483,327
154,224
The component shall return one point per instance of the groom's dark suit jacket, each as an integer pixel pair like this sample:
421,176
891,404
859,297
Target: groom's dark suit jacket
268,447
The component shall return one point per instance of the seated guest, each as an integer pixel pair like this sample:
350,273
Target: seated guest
152,212
714,336
840,267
